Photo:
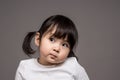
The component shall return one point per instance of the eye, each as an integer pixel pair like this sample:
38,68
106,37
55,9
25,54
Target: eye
65,45
52,39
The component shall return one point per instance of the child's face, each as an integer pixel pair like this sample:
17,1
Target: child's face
52,49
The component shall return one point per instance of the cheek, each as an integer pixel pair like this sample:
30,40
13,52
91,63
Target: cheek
44,47
64,54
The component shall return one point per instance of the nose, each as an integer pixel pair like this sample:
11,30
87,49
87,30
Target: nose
56,48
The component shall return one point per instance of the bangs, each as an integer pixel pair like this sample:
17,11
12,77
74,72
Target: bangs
63,32
58,31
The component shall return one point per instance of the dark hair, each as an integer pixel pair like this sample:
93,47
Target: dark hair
65,27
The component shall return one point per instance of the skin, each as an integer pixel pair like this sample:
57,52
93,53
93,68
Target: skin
52,50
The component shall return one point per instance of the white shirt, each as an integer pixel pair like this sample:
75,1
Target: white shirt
30,69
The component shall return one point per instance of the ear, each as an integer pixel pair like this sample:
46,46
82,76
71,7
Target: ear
37,39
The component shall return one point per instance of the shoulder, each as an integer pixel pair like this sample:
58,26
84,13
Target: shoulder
73,65
76,69
73,62
25,63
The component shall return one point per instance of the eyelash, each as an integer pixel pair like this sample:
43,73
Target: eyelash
65,45
52,39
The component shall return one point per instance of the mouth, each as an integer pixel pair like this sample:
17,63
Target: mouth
53,56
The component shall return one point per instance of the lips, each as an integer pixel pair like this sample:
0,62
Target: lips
53,56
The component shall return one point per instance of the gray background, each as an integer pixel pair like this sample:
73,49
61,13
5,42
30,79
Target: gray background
97,21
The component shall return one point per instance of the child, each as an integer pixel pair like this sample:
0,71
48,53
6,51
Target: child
55,40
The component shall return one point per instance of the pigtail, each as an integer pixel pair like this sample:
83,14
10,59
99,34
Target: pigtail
27,44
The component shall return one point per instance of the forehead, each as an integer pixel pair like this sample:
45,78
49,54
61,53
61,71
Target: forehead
50,30
54,31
